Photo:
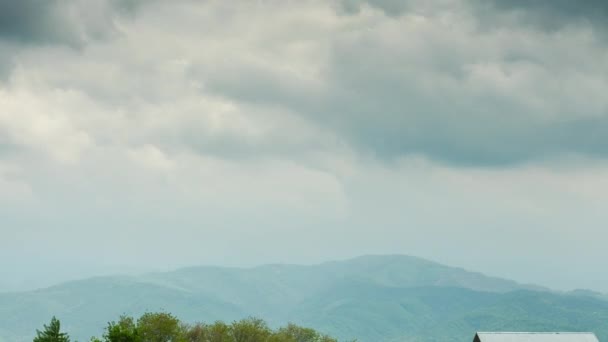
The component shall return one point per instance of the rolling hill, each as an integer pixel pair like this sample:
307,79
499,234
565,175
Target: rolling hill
371,298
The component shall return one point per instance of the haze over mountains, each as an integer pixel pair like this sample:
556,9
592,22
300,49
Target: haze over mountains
371,298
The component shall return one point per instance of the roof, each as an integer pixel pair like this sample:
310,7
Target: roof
534,337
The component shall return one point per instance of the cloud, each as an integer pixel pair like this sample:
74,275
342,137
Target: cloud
389,7
31,21
550,15
432,83
42,125
335,131
427,83
60,22
73,24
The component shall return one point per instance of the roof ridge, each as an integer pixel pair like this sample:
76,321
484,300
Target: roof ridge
535,336
537,332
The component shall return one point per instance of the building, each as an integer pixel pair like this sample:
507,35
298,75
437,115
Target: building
534,337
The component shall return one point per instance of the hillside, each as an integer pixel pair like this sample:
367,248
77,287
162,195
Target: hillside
373,298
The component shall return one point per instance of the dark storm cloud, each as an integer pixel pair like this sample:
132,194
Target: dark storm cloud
550,15
32,21
56,22
60,21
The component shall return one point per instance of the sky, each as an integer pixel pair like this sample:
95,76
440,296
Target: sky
148,135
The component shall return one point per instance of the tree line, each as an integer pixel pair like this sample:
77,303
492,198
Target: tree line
164,327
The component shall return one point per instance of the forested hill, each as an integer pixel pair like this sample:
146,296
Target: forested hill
373,298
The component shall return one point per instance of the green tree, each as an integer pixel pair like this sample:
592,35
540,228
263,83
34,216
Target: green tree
250,330
295,333
198,332
51,333
124,330
164,327
219,332
159,327
326,338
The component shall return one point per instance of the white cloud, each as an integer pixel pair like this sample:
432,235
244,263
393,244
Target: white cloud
44,124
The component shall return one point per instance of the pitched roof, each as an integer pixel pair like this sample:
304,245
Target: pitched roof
534,337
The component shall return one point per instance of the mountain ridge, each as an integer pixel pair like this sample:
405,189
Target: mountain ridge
325,264
372,298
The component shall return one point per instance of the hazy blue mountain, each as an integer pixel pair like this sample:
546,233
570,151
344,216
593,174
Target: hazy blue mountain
372,298
429,313
85,306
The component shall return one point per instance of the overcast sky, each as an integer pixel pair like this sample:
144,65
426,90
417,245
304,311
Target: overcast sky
146,135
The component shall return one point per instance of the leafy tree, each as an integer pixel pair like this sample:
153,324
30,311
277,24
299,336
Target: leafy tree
164,327
52,333
250,330
294,333
159,327
124,330
196,333
219,332
326,338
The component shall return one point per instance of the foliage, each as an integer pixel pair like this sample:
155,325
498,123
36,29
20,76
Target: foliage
250,330
294,333
159,327
219,332
125,330
164,327
52,333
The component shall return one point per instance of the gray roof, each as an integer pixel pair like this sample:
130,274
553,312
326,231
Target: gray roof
534,337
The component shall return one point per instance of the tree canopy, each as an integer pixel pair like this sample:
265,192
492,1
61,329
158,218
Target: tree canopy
164,327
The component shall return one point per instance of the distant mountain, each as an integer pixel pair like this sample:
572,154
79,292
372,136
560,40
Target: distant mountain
371,298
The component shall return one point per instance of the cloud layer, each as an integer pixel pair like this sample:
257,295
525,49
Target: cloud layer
301,131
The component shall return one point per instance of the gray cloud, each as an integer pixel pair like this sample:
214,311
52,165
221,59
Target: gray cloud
129,6
30,23
33,21
382,106
391,90
51,22
389,7
71,22
550,15
6,60
398,90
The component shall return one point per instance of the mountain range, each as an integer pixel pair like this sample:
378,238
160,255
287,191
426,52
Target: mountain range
370,298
